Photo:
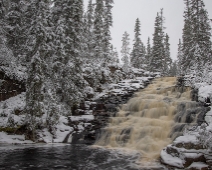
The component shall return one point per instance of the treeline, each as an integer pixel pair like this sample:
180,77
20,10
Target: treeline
156,58
195,49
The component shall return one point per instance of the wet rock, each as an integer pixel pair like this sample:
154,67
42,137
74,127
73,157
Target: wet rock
190,159
102,108
172,151
208,158
190,145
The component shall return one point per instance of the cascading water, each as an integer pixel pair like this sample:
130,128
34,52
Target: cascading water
147,121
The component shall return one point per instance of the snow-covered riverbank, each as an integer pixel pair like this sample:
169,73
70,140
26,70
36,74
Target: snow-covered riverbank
12,116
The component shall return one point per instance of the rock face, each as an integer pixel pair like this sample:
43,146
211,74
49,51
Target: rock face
10,87
87,131
184,155
186,152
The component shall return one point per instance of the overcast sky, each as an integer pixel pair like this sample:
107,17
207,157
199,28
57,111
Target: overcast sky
125,13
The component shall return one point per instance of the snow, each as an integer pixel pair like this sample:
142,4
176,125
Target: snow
187,138
13,139
208,119
192,155
205,91
82,118
62,130
123,87
170,160
12,108
8,108
198,165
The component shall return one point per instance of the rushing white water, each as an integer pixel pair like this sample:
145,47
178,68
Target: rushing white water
145,122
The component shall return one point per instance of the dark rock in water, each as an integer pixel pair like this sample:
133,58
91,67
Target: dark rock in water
102,109
194,95
181,81
172,151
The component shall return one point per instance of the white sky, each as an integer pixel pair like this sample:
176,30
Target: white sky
125,13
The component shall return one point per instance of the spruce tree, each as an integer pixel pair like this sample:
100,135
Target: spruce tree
196,37
157,60
125,52
201,32
17,19
108,22
69,14
6,54
180,70
160,61
90,29
173,69
148,54
37,81
98,30
138,52
187,37
167,58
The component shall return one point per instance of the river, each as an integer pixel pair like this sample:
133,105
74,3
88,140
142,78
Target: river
73,157
132,140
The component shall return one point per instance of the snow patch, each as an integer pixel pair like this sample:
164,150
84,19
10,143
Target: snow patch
10,107
82,118
198,165
170,160
13,139
186,138
205,91
62,130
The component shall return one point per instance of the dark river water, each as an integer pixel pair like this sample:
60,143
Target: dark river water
73,157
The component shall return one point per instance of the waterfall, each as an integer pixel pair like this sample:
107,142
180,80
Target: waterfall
147,121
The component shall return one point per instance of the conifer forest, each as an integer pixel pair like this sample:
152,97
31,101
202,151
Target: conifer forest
71,99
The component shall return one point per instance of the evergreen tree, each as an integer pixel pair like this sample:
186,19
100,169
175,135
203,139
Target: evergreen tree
173,69
90,29
108,22
5,53
69,14
116,56
180,70
201,32
158,47
138,51
196,37
98,29
37,81
17,23
125,52
187,37
148,54
167,58
90,15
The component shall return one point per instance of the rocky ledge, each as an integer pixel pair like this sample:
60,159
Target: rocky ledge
91,116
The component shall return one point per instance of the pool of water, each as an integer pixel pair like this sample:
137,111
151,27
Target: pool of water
73,157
